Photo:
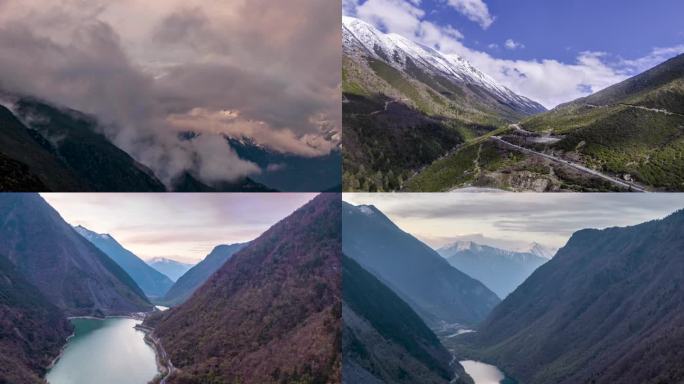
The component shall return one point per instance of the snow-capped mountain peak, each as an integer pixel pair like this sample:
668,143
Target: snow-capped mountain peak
539,250
461,245
360,37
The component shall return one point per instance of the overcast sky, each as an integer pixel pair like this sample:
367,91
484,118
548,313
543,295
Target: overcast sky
181,226
547,218
268,70
550,51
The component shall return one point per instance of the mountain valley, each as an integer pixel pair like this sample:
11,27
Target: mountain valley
623,138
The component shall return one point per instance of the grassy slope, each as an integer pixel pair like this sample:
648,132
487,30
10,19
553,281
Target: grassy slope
428,119
611,135
604,131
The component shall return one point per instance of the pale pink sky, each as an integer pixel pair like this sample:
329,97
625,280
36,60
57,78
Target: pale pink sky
181,226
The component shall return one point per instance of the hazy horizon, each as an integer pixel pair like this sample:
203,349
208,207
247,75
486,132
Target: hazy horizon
179,226
514,219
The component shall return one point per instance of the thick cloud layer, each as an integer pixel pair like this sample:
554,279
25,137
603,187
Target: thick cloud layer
149,69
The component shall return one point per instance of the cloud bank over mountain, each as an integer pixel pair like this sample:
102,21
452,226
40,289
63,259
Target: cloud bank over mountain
149,70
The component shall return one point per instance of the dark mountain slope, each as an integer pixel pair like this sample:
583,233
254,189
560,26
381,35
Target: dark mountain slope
386,141
438,292
44,147
70,272
153,283
28,162
32,331
271,314
384,340
608,308
189,183
76,148
197,275
500,270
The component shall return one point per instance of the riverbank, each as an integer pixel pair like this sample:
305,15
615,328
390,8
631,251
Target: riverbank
61,351
164,364
158,358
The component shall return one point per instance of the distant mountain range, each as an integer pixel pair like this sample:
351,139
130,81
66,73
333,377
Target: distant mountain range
439,293
152,282
405,105
500,270
171,268
607,308
67,269
271,313
540,250
189,282
627,137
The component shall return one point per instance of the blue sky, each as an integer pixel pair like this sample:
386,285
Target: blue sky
582,45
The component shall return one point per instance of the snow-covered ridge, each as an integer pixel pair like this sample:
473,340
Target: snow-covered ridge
522,254
88,234
539,250
395,49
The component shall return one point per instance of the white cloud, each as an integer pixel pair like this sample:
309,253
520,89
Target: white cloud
397,16
475,10
405,18
547,81
657,56
512,44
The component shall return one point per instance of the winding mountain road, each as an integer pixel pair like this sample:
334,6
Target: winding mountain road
656,110
163,358
616,181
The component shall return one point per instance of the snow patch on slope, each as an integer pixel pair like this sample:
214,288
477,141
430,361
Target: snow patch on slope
398,51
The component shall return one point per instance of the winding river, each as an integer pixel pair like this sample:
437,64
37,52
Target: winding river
106,351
